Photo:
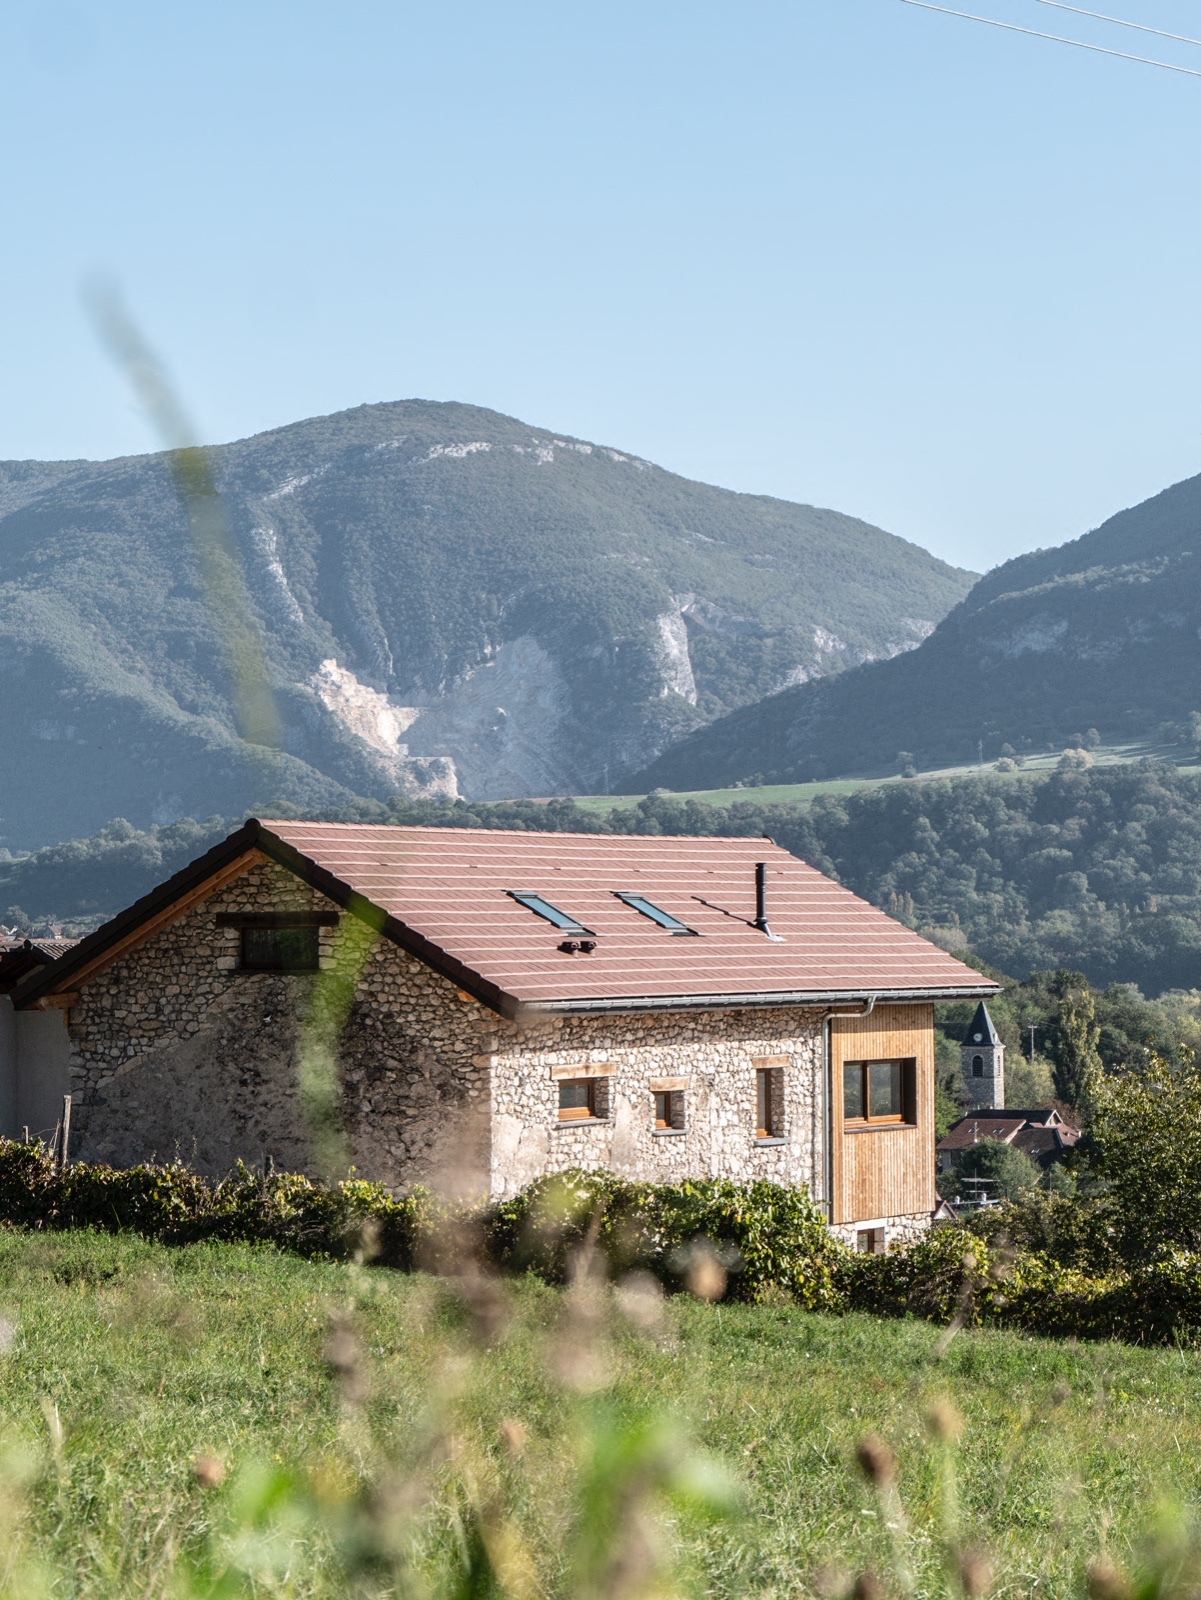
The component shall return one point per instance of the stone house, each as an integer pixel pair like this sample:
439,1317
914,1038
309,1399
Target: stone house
490,1006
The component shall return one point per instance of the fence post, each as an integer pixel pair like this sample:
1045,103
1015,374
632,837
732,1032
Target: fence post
63,1153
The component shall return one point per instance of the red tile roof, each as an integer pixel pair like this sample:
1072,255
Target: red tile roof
444,894
450,885
993,1125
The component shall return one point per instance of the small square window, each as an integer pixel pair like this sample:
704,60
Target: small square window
280,949
669,1110
577,1099
869,1241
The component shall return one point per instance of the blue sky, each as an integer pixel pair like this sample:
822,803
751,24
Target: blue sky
843,251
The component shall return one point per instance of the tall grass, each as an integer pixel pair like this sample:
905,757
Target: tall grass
227,1420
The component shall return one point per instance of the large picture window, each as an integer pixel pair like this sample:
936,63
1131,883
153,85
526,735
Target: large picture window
878,1093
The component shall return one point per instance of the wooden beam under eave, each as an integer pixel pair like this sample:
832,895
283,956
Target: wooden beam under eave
152,925
57,1002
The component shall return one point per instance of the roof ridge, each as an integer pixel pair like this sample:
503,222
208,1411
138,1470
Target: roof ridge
533,833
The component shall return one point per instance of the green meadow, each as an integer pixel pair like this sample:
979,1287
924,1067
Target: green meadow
225,1420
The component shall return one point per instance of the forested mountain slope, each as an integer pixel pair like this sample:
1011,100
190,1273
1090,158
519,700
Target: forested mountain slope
1096,871
1104,632
449,601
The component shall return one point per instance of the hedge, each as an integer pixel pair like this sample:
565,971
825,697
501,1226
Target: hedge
764,1240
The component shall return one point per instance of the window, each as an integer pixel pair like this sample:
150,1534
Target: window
669,1110
977,1066
648,909
869,1241
877,1093
543,908
279,949
769,1103
577,1099
277,941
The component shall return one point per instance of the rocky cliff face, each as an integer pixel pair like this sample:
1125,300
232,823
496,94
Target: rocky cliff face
1103,632
448,601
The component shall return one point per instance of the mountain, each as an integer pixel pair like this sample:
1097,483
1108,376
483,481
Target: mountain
1103,633
449,602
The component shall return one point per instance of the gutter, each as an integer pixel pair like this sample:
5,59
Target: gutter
751,1002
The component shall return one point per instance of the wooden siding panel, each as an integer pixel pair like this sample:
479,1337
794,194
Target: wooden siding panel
883,1172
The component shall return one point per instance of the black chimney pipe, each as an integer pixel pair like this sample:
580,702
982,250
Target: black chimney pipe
761,897
761,903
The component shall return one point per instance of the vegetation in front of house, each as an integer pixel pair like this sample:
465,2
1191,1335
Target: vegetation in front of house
1118,1258
533,1416
227,1421
1096,871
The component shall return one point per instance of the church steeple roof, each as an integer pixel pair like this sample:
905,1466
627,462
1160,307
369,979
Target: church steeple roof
980,1029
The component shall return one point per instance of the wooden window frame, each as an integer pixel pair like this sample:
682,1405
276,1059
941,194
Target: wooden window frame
769,1092
585,1113
905,1118
668,1111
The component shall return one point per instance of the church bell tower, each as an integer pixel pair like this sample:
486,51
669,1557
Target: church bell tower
982,1057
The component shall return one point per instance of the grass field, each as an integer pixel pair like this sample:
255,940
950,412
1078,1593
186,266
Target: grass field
384,1457
1106,755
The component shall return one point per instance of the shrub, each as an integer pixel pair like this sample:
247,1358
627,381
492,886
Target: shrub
177,1206
761,1234
1043,1264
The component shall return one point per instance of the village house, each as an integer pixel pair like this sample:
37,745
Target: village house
1038,1132
503,1005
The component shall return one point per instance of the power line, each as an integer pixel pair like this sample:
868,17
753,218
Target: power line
1058,38
1121,22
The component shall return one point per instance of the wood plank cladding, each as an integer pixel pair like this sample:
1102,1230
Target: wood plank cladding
886,1171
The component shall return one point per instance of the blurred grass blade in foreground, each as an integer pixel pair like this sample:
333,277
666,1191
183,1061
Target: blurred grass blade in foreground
220,567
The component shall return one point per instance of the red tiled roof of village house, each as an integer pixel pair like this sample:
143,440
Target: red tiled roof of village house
1035,1131
991,1125
449,886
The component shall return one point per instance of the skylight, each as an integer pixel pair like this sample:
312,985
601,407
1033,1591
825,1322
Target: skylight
649,909
543,908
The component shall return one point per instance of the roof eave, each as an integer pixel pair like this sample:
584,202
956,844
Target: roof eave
58,974
744,1001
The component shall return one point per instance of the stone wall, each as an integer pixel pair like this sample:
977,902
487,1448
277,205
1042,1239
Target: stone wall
710,1055
902,1230
176,1053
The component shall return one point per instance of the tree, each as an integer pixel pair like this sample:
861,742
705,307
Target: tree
1010,1172
1145,1135
1077,1062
